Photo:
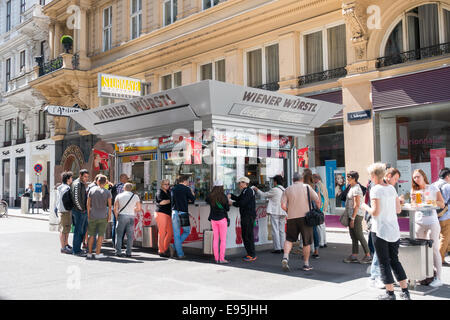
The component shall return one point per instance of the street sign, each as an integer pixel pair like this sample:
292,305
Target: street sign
61,111
38,168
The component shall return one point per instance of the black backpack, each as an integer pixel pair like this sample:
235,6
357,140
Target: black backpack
67,200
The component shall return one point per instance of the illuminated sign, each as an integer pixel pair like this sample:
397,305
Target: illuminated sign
111,86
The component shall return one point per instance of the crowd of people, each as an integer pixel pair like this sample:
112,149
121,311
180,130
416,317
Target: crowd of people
89,207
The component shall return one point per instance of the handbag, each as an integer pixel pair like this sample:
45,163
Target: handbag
184,220
314,216
441,212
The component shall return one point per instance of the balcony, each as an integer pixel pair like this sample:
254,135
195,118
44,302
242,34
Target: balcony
322,76
413,55
7,143
273,86
47,67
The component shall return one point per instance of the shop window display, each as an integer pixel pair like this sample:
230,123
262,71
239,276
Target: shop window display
414,138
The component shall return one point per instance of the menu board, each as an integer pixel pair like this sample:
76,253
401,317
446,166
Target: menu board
404,183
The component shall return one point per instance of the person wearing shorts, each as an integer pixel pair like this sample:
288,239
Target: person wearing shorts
99,213
65,223
295,203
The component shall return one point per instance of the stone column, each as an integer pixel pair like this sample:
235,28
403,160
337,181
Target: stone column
234,66
289,57
56,43
359,142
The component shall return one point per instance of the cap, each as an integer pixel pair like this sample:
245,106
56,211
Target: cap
218,183
244,179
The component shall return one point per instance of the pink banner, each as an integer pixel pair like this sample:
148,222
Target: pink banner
437,158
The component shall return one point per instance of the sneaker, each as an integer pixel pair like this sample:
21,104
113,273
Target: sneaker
379,284
366,260
120,255
80,254
436,283
224,261
69,247
66,250
90,256
387,296
315,256
180,258
307,268
351,259
249,258
285,264
100,256
276,251
405,296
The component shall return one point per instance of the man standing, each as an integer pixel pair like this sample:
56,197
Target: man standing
125,208
45,196
295,203
79,216
443,184
99,213
277,215
65,215
181,196
247,210
115,191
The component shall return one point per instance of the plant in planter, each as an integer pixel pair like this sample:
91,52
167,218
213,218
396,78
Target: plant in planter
67,42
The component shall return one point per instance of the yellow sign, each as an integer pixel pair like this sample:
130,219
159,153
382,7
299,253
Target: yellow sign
112,86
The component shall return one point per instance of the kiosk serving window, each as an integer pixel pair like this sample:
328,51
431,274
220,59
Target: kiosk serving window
142,171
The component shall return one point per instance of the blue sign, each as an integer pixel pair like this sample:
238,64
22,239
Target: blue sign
360,115
38,187
330,167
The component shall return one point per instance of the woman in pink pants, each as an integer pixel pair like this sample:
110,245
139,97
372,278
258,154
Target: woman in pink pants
219,220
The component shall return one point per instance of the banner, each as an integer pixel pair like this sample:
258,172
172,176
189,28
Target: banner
303,157
100,160
330,166
437,157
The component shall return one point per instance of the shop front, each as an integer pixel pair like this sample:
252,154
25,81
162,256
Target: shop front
208,130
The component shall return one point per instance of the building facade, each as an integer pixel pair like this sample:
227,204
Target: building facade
25,130
386,62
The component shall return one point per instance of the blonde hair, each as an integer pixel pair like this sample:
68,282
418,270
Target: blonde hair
377,169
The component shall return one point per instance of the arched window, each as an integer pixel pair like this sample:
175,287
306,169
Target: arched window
419,29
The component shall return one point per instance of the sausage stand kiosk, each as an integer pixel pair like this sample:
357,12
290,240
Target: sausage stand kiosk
209,130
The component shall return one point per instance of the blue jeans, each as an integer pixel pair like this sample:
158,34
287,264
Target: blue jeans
177,238
375,271
316,238
80,222
126,224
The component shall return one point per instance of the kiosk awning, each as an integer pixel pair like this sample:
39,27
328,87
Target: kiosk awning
217,104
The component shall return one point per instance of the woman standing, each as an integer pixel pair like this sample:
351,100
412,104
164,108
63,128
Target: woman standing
308,179
385,205
218,216
322,191
164,219
427,223
356,214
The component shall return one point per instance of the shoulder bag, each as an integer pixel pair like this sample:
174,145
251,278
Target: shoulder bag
314,216
441,212
126,204
184,220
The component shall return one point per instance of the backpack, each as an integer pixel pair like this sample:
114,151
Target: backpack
67,200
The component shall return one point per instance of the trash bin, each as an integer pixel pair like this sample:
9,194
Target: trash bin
416,257
208,242
24,205
150,237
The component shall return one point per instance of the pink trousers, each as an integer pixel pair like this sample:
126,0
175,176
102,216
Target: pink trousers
219,232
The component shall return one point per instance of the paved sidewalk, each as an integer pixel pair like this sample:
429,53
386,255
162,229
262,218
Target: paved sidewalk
38,214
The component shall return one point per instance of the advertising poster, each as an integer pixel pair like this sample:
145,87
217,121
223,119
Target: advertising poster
330,166
404,183
339,187
437,159
100,160
303,159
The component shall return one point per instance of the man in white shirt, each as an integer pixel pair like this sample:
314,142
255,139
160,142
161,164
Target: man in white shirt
125,207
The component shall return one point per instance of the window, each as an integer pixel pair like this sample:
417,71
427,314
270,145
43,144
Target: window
42,49
214,70
418,29
8,72
20,131
22,6
107,28
42,2
6,174
8,130
8,16
209,3
136,18
20,176
263,71
22,61
317,58
170,81
170,11
42,125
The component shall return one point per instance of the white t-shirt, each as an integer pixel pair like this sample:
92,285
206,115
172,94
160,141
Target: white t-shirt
430,216
354,191
123,198
385,225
